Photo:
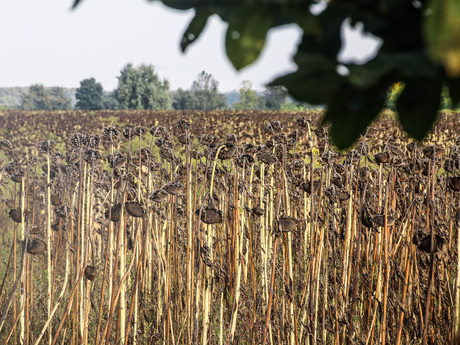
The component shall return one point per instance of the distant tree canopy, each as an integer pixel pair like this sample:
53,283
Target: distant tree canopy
141,88
183,99
109,101
11,97
249,99
206,90
420,47
203,95
90,95
275,97
41,98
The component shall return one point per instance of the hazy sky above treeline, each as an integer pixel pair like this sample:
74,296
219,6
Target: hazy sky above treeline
45,42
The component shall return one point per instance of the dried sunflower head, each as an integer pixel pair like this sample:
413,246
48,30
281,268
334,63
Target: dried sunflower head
302,121
167,154
185,138
73,156
173,188
182,126
113,213
16,214
46,145
227,152
268,129
433,151
94,141
139,130
206,139
232,140
287,224
162,142
92,156
6,145
110,134
78,140
245,159
454,183
17,176
90,272
134,208
116,161
145,153
277,126
158,131
250,148
129,132
382,157
266,157
36,246
159,195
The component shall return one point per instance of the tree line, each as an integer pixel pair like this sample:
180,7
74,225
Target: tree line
140,87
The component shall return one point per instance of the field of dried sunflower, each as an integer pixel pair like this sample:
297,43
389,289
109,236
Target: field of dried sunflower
139,227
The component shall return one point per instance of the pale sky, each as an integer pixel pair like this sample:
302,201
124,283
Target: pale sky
44,42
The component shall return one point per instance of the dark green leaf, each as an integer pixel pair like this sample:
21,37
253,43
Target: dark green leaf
418,106
311,55
311,86
454,90
318,45
369,74
442,33
405,64
189,4
195,27
247,29
75,4
304,19
352,110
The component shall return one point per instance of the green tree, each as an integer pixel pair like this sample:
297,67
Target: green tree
89,95
141,88
274,97
109,101
203,95
36,99
58,99
183,99
11,97
291,106
41,98
249,99
205,90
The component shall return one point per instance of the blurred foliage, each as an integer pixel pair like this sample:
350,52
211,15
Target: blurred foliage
421,47
397,88
393,93
446,101
442,30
